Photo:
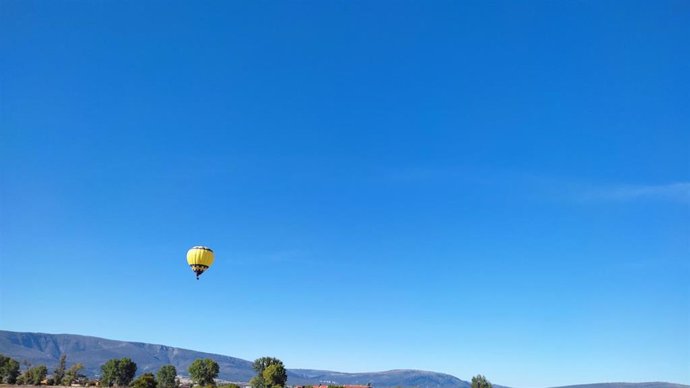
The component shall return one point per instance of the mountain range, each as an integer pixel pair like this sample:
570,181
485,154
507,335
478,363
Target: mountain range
92,352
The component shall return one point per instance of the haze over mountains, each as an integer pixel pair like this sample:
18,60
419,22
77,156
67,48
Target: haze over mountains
92,352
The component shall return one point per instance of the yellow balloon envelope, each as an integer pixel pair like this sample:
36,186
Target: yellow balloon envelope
199,258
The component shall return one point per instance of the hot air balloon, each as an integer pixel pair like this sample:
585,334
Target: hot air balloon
199,258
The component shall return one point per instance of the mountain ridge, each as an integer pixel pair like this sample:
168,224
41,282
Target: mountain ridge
650,384
92,352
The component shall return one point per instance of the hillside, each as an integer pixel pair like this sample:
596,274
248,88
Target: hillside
46,349
39,348
656,384
394,378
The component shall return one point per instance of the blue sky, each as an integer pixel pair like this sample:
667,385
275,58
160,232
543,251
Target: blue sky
467,187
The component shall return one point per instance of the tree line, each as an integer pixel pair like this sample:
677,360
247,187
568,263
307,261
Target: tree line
270,373
119,373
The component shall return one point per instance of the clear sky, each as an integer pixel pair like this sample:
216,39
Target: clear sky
466,187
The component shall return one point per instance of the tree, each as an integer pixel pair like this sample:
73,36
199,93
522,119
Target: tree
167,377
480,381
39,374
33,375
9,370
260,364
203,372
257,382
59,372
109,372
126,371
275,377
73,375
147,380
118,372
